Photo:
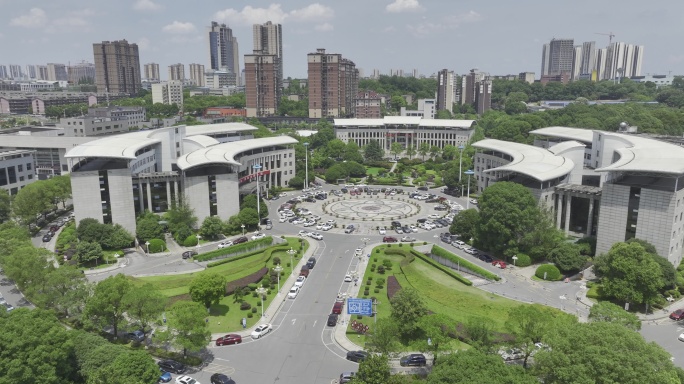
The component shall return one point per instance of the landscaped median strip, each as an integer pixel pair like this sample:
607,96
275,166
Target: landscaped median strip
441,252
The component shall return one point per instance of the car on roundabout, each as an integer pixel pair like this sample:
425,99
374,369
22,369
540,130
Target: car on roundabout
303,233
229,339
261,330
357,356
316,235
294,291
220,378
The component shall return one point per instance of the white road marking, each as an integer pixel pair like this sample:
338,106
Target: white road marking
315,321
293,321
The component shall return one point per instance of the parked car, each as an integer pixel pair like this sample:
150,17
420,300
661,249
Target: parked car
165,377
261,330
337,307
358,252
294,291
298,221
350,228
512,354
172,366
423,188
220,378
303,233
332,319
414,359
382,230
240,240
229,340
398,230
347,278
408,239
137,335
186,380
188,254
346,377
677,315
473,201
357,356
389,239
316,235
300,281
681,337
304,271
311,263
499,264
326,227
47,238
310,223
258,235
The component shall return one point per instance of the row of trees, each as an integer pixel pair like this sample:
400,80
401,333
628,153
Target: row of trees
35,200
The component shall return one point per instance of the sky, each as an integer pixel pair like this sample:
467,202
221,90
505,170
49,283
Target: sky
496,36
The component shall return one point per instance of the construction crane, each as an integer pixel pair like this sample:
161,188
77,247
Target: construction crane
609,34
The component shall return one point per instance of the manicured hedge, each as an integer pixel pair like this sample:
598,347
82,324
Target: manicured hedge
441,252
244,247
552,272
264,259
442,268
157,245
408,256
255,277
523,260
190,241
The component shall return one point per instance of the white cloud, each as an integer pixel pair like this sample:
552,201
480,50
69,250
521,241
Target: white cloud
390,29
146,5
178,27
399,6
325,27
312,12
68,23
274,13
447,23
36,17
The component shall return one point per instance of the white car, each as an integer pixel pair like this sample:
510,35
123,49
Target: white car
316,235
261,330
315,217
225,244
347,278
289,214
282,219
258,236
681,337
294,291
358,252
305,213
413,228
331,222
186,380
393,193
303,233
300,281
299,220
310,223
319,226
382,231
326,227
434,216
282,194
473,201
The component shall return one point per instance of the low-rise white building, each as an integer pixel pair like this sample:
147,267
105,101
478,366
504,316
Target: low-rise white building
406,130
115,178
168,92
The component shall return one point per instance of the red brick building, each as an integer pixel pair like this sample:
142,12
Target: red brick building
213,112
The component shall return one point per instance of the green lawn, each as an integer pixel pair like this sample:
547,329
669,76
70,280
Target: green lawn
374,170
442,294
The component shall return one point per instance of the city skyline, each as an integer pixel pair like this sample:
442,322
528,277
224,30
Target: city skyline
499,37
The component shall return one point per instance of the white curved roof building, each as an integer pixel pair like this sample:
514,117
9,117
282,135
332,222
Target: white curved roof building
614,186
117,177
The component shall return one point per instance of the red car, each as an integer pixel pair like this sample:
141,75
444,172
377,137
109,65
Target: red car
677,315
240,240
499,263
389,239
228,340
337,307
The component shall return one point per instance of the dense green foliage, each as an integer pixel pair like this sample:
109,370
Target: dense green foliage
548,272
441,252
612,313
207,289
40,197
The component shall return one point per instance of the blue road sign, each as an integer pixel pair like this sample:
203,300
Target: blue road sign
362,307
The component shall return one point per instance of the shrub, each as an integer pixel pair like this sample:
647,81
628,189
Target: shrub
376,290
157,245
369,282
523,260
258,303
381,270
190,241
254,310
252,286
266,283
245,306
387,264
250,315
276,260
551,271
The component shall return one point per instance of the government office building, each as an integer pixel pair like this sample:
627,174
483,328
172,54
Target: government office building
615,186
115,178
406,130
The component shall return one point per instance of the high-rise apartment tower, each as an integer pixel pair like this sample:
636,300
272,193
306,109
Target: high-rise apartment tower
117,67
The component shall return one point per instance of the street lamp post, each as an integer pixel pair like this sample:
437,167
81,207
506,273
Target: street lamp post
514,259
306,165
147,243
277,270
257,167
469,173
291,252
243,229
198,239
460,165
261,291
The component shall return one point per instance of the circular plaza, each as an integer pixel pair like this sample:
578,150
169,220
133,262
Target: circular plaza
370,209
